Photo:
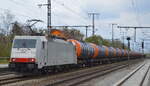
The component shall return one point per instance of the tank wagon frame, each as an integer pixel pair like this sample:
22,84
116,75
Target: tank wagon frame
32,53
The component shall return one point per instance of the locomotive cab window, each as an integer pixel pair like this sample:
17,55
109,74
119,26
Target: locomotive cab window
24,43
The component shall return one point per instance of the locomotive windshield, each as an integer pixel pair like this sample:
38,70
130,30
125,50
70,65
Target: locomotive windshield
24,43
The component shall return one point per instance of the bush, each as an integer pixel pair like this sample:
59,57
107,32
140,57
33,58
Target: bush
5,46
4,60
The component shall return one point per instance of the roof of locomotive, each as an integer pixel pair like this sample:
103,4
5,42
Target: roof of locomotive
42,38
31,37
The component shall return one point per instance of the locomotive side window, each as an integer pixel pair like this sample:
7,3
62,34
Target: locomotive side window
43,45
24,43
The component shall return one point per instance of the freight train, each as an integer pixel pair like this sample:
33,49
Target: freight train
30,53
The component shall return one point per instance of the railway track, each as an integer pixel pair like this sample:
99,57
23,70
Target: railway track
78,79
136,77
10,78
6,73
75,80
2,70
66,79
14,78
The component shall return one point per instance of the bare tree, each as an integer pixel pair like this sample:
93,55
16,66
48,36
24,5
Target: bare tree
73,34
6,20
17,29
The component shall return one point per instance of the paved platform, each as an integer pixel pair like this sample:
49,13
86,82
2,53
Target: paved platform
3,65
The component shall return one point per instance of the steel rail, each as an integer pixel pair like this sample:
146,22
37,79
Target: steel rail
142,82
87,76
122,81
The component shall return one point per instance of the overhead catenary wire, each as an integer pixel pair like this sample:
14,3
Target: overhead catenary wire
72,11
81,8
136,10
138,17
17,18
20,3
23,5
16,13
26,7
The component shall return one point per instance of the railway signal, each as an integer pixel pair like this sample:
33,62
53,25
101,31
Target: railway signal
143,46
128,38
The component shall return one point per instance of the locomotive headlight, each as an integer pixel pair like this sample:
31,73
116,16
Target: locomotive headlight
13,60
32,60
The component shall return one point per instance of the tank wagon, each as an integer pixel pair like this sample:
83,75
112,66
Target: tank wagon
91,53
31,53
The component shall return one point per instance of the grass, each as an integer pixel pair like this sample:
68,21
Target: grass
4,60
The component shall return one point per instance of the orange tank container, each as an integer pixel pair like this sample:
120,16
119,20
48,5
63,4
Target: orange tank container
119,52
106,51
115,52
77,45
57,33
96,50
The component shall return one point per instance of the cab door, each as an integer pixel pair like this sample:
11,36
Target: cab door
44,53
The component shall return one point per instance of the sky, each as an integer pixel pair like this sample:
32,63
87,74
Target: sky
75,12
